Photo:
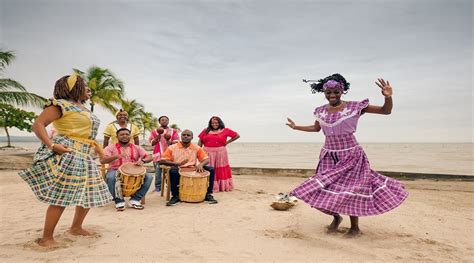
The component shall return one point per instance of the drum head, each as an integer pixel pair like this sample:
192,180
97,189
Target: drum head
132,169
191,171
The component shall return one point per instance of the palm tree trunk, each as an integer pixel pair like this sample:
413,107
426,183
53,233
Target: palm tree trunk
8,137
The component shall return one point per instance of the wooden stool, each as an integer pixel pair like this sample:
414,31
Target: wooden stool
165,179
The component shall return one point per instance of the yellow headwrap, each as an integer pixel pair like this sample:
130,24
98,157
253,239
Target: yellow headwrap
120,111
71,81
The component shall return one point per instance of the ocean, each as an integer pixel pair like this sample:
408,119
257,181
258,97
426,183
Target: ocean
438,158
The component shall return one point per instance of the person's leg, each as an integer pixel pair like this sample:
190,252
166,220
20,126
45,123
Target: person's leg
335,223
209,198
53,213
110,179
158,182
143,189
76,227
212,172
174,181
354,231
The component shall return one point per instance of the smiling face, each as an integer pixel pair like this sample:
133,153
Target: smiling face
122,116
214,124
333,96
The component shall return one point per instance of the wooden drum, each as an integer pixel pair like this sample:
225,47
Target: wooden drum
192,185
131,178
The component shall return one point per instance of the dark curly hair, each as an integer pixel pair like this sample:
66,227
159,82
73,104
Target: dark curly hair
61,90
318,86
219,120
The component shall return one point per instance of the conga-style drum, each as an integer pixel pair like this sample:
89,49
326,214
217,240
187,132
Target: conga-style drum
192,185
131,178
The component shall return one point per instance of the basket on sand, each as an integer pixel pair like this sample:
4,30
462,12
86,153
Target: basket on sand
284,202
281,205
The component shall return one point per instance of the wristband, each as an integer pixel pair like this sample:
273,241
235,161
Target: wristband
51,147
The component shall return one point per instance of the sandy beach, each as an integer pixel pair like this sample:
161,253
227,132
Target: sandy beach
434,224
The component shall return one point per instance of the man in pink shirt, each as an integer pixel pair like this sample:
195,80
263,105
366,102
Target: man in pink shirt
121,153
160,142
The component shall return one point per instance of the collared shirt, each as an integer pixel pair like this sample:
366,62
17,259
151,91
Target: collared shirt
133,154
162,145
178,153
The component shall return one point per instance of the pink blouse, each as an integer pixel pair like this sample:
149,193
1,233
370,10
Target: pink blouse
216,139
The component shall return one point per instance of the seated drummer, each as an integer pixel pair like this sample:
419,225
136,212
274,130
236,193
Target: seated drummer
186,154
121,153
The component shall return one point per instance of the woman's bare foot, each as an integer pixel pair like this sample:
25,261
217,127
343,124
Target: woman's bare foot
48,242
332,228
81,232
353,232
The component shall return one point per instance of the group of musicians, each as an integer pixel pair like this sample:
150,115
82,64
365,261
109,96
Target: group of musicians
168,150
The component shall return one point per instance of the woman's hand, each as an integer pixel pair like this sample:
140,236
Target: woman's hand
291,123
385,86
61,149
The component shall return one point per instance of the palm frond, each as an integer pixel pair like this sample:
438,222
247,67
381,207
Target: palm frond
21,98
11,85
5,58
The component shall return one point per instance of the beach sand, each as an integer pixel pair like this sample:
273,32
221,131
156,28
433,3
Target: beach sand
434,224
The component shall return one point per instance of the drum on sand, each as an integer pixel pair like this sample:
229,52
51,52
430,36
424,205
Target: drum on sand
131,178
193,185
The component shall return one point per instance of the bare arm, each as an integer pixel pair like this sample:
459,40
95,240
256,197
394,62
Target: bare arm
108,159
106,141
171,163
233,139
387,92
200,166
310,128
45,118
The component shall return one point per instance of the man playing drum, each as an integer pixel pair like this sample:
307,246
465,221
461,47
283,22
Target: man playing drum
121,153
186,154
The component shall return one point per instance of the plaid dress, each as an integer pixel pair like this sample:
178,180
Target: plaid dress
344,183
70,179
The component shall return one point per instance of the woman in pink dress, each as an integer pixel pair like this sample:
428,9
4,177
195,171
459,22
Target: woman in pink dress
344,183
214,139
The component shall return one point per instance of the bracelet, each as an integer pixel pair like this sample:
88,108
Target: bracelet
51,147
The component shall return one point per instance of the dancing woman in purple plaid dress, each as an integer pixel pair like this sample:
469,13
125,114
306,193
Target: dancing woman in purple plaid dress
344,183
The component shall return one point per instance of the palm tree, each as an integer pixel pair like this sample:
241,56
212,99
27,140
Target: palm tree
106,88
11,91
175,126
149,122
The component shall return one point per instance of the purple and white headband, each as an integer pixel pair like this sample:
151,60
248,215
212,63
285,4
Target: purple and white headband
332,84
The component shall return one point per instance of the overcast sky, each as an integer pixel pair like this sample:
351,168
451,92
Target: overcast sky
244,60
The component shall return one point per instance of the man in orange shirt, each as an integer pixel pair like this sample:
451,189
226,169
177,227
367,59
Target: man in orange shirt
186,154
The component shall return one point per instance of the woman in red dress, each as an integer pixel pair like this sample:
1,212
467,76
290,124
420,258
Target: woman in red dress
214,139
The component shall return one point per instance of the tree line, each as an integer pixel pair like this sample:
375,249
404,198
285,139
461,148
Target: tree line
107,91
